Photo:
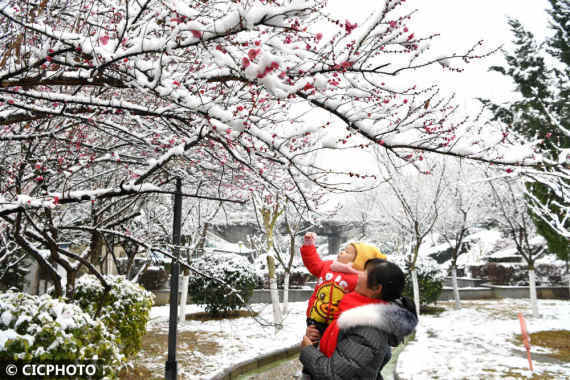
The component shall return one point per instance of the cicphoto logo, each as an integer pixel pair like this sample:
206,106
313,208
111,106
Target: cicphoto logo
37,370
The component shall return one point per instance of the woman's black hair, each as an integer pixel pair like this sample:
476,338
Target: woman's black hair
392,279
387,274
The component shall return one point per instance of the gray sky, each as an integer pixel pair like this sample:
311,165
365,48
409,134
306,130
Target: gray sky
461,23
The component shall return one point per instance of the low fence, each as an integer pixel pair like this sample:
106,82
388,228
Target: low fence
543,292
464,282
489,291
295,295
477,293
162,296
484,291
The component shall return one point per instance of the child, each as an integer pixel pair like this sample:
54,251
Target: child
335,278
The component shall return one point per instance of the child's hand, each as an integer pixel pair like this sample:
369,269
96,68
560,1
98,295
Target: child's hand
313,333
306,342
309,238
351,265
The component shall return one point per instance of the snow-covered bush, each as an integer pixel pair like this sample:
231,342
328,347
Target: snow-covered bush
124,309
153,278
431,277
230,268
36,328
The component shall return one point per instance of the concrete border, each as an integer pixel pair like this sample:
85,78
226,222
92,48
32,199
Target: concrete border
232,373
481,291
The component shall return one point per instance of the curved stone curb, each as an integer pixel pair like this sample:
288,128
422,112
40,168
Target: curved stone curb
248,365
395,374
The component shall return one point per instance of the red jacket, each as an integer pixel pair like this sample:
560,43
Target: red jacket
330,337
331,285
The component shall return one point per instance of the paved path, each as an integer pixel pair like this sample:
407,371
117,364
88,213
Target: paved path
288,368
282,369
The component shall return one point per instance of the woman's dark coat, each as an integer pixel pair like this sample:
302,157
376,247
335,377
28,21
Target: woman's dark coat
363,346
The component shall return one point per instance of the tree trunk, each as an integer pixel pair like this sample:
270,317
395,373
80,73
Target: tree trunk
96,250
532,288
455,287
130,265
201,242
416,288
286,293
35,284
568,274
70,286
44,265
184,295
288,271
274,292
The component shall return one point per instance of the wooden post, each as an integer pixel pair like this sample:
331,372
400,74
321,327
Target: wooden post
525,340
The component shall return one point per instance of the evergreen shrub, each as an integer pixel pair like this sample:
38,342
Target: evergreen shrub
234,270
124,309
41,328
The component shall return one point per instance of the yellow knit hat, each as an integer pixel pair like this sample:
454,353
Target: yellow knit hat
365,252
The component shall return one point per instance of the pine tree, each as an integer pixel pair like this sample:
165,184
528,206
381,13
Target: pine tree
542,110
527,68
558,47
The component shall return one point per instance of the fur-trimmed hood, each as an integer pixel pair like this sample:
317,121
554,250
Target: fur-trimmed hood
390,318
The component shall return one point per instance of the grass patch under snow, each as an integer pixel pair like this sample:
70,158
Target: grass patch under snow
203,316
556,340
191,348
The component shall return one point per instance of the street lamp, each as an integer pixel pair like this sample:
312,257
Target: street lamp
171,369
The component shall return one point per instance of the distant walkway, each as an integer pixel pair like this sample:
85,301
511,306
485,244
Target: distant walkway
289,367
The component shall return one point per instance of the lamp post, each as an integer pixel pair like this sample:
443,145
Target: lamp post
171,370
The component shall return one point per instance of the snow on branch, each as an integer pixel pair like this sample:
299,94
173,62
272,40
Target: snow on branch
117,98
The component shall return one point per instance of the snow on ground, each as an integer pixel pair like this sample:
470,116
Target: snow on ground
477,342
237,340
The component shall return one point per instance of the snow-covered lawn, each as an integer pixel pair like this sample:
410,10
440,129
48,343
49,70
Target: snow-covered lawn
473,343
477,342
207,348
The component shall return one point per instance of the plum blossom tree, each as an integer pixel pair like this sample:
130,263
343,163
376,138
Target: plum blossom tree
513,216
413,208
463,206
116,98
296,221
268,209
280,222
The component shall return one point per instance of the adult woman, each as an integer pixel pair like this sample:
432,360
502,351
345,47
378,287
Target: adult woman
371,319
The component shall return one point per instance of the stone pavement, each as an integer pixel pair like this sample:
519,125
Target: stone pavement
288,368
282,369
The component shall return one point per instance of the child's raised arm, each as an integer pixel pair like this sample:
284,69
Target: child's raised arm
309,254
